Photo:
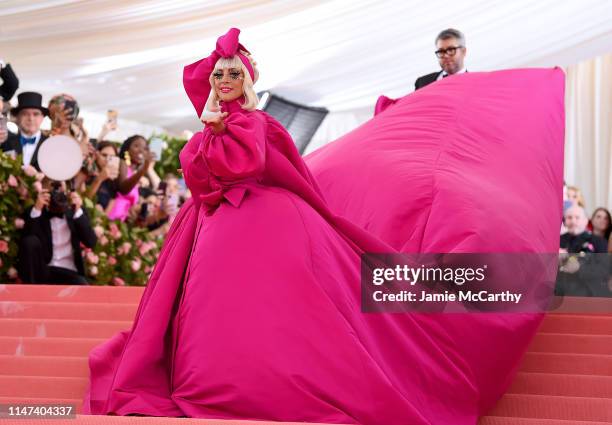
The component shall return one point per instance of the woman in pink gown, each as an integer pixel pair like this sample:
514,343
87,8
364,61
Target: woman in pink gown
253,309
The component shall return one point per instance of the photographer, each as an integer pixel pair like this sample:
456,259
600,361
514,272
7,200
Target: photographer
55,227
102,187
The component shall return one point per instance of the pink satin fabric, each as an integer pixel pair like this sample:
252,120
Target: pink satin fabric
253,309
122,203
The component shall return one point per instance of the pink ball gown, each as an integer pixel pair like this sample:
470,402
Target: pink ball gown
253,309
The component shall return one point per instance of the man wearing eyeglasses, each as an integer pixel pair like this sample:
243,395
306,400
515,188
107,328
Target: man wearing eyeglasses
450,51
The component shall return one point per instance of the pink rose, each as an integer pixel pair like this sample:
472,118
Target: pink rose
99,231
4,247
37,186
126,246
117,281
136,264
93,270
92,258
103,240
40,176
19,223
12,181
29,170
12,273
112,260
115,233
146,247
147,269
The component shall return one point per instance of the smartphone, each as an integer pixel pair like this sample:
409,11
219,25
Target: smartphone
111,117
156,146
71,104
162,188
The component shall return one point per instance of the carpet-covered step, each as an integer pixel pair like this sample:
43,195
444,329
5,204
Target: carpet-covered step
496,420
62,328
42,386
44,366
562,385
554,407
74,293
576,364
78,403
67,310
572,343
577,324
33,346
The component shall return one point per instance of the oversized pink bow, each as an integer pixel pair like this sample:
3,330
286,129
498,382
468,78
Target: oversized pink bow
196,76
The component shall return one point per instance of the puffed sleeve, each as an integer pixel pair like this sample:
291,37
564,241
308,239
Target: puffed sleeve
237,152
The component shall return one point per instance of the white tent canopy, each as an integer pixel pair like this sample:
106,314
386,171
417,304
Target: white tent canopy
341,54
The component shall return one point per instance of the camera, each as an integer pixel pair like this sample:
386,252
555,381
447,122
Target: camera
59,200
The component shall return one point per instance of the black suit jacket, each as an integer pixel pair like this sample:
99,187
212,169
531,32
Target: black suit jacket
80,229
12,144
10,84
426,79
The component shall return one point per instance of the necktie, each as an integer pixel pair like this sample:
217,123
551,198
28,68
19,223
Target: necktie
444,75
27,140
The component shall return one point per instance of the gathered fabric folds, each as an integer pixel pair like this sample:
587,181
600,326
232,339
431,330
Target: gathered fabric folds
253,308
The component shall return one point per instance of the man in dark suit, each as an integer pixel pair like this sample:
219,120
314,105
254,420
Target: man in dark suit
450,51
55,227
29,114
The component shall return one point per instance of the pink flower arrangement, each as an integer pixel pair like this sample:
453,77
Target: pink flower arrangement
146,247
93,270
117,281
12,181
112,261
103,241
4,247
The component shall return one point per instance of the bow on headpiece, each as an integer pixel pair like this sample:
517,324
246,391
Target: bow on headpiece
196,76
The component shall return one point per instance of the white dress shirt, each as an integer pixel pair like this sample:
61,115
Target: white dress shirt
63,255
28,150
444,73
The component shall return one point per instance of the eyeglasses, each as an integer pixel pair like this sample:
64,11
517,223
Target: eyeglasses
233,73
450,51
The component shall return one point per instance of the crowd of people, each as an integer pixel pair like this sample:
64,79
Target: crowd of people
120,178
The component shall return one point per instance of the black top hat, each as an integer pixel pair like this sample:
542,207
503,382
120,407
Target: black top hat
29,99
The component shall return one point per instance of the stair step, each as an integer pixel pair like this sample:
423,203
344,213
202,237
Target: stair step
577,324
67,310
77,367
572,343
43,386
554,407
577,364
75,402
497,420
33,346
562,385
62,328
74,293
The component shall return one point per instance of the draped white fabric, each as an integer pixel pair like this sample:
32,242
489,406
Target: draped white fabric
588,133
128,55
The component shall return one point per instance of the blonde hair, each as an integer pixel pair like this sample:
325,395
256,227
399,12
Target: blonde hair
251,99
579,197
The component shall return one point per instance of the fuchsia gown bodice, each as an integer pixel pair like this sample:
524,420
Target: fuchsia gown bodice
253,309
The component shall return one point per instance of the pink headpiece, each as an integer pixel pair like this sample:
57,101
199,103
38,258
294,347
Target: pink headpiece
196,76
